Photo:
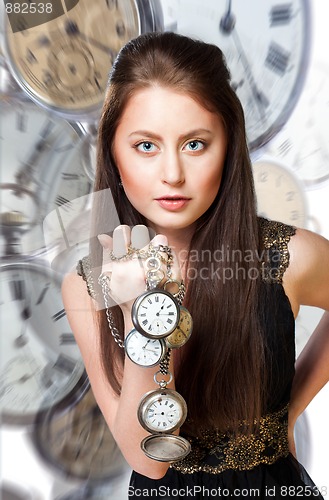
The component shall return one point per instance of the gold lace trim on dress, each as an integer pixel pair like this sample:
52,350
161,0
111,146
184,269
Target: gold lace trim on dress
275,236
215,452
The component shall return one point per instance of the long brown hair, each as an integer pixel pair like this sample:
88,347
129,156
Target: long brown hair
222,367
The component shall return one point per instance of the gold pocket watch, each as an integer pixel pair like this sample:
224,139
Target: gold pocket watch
182,332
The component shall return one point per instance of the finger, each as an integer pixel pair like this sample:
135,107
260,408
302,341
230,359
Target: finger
140,236
105,240
176,273
107,244
121,240
160,239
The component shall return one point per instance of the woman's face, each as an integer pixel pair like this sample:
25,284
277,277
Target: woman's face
170,153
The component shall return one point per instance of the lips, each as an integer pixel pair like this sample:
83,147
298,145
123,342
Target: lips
173,202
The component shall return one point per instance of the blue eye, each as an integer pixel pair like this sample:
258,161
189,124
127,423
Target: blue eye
146,147
195,145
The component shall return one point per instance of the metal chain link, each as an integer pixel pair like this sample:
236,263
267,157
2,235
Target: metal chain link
164,363
104,281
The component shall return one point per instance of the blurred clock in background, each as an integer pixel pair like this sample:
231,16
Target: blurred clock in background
266,45
280,194
40,360
73,437
304,143
62,56
41,170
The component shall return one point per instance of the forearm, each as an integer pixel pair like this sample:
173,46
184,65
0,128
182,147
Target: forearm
312,369
126,428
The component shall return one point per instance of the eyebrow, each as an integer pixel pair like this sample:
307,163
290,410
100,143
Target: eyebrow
191,133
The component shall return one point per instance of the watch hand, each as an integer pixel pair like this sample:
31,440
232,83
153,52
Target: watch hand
261,101
228,20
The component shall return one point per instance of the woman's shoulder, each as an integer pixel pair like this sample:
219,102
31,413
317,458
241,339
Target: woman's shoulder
299,259
308,271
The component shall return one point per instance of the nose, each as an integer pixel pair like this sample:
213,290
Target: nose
172,168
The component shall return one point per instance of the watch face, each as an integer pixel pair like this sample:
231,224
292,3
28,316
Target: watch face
62,54
74,438
142,350
168,448
155,314
162,411
280,195
266,45
183,331
40,360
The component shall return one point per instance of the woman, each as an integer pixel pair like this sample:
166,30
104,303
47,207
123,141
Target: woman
172,148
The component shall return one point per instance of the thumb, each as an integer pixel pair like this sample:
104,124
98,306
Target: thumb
107,244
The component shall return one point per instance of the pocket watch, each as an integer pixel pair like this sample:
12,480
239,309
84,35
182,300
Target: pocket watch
40,360
41,154
280,195
74,439
182,332
144,351
266,45
161,412
61,55
155,314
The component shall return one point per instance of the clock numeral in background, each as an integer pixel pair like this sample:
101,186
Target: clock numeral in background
281,14
30,57
70,177
64,364
66,339
112,4
21,121
290,195
59,315
277,58
17,289
43,293
64,203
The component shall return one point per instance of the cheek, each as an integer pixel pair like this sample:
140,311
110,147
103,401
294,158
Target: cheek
211,183
136,189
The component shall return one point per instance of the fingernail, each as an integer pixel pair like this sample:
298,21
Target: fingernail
102,238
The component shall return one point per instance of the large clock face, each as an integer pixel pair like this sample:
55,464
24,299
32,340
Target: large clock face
64,62
266,44
280,195
62,56
40,361
41,170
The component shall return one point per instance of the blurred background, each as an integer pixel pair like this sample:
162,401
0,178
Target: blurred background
54,62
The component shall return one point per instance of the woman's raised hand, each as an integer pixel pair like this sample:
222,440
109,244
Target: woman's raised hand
125,262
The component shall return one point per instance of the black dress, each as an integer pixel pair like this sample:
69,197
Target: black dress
255,466
246,466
